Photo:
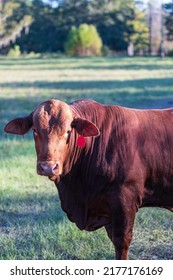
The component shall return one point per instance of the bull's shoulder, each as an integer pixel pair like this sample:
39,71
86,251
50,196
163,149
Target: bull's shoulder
88,109
85,105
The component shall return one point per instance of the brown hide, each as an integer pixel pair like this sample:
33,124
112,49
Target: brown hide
126,163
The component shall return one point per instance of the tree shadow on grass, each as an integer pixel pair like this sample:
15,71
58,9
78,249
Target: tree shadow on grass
90,84
98,90
154,252
30,208
29,228
94,63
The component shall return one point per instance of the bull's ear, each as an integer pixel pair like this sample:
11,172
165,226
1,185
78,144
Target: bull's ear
19,126
85,128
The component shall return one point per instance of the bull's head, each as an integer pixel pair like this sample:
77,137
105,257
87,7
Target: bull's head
52,123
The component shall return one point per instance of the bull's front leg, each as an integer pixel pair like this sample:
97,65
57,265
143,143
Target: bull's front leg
120,230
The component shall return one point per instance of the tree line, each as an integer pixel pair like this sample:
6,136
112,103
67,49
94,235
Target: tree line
44,26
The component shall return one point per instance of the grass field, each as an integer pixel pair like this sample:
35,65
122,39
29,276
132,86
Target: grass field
32,224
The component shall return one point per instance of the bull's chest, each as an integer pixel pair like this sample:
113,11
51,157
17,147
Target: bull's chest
86,210
98,214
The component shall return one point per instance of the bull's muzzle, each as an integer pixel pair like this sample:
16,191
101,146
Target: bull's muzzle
48,169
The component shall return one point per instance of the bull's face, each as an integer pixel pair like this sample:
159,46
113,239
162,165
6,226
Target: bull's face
52,123
51,130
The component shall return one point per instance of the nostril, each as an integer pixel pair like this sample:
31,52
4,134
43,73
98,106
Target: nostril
41,167
45,169
55,167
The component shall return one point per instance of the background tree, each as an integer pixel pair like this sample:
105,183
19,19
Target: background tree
168,8
83,41
41,36
155,22
140,36
14,18
113,19
117,21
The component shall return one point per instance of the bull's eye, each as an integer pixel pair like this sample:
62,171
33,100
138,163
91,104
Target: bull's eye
68,135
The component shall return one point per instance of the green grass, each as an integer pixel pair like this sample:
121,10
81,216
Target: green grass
32,224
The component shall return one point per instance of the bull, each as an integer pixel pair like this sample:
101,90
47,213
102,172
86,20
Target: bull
106,162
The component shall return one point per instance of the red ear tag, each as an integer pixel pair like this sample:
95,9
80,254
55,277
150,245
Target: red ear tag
80,141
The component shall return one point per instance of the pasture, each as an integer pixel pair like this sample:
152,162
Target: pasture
32,224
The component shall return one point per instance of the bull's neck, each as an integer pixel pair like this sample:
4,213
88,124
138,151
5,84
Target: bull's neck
99,152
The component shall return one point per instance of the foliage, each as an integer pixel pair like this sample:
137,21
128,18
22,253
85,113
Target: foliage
140,36
170,53
48,26
43,35
169,20
114,22
41,26
14,19
83,41
14,52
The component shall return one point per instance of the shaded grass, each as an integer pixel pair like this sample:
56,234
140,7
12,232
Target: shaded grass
32,223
